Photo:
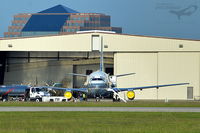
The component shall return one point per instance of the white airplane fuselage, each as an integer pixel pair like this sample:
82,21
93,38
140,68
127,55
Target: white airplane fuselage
98,79
97,84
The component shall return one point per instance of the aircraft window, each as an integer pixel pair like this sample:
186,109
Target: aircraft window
97,79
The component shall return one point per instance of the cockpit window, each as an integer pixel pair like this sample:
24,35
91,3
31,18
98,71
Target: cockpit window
94,79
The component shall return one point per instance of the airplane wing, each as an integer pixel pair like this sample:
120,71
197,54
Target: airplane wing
69,89
126,74
85,90
75,74
146,87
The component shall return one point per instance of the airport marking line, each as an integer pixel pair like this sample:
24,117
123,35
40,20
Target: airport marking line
101,109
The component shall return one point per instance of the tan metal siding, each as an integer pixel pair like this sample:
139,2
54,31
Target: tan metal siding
145,67
176,68
159,68
50,43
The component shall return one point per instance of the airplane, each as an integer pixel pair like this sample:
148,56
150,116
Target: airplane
185,12
100,85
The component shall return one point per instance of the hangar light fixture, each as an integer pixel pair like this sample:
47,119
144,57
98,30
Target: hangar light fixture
10,45
105,46
180,45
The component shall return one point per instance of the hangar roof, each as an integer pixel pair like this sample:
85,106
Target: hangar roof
112,43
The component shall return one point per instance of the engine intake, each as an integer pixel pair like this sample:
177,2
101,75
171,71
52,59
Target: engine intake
68,95
131,95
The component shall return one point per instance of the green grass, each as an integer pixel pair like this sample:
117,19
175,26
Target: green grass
139,103
98,122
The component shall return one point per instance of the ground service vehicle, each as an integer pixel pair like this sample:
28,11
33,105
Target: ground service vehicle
22,92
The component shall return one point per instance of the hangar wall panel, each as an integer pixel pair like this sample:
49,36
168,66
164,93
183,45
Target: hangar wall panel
85,42
41,74
130,43
178,67
43,54
145,67
159,68
17,54
75,42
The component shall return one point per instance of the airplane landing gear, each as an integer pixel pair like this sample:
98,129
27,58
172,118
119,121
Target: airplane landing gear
97,99
5,98
116,98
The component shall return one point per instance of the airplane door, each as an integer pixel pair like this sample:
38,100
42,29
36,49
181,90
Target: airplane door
96,42
189,92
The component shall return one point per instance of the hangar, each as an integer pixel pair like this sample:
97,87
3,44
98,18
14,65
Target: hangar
155,60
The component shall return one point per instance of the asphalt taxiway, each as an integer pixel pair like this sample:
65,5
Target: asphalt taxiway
111,109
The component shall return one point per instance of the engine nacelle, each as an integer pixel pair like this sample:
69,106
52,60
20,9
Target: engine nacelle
131,95
68,95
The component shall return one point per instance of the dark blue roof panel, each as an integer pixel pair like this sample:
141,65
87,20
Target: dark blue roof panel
45,23
59,9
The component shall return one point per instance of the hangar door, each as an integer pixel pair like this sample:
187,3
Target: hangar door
189,92
2,66
145,67
96,41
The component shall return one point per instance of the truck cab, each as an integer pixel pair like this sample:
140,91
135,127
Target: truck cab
36,93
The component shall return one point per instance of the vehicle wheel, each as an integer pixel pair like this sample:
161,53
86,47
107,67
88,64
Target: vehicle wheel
4,100
97,99
118,99
27,99
37,100
114,100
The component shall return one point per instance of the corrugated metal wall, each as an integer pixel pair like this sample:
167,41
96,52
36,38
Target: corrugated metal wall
160,68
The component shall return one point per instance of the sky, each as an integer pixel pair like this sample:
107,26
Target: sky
165,18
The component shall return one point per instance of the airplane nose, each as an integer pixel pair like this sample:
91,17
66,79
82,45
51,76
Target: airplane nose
98,84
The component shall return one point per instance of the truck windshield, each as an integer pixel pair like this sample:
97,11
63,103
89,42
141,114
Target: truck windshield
40,89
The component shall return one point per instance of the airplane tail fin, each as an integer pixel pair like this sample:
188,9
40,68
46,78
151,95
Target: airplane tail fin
101,56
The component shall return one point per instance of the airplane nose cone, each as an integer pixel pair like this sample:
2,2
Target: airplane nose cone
98,84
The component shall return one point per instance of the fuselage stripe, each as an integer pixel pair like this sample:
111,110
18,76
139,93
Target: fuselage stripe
8,91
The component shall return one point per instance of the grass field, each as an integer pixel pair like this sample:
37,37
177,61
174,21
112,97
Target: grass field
139,103
98,122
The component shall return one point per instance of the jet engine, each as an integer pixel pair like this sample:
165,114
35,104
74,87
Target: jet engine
131,95
68,95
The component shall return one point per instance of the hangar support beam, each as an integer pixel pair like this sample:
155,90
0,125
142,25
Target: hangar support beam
2,66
